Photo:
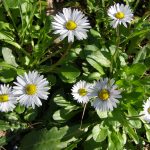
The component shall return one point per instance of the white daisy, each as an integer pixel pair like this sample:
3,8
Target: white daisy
146,111
71,23
120,14
30,88
105,95
80,91
7,99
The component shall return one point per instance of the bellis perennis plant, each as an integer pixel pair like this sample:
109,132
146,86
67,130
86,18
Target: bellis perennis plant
120,14
104,94
30,88
94,55
80,91
146,111
7,98
71,23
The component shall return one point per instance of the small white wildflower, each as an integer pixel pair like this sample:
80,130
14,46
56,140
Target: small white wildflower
80,91
105,95
30,88
146,111
71,23
7,99
121,14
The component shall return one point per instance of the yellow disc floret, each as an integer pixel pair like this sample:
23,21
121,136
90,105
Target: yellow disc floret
4,98
103,94
119,15
71,25
82,92
31,89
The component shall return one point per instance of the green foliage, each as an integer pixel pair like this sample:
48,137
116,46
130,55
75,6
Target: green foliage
43,139
27,43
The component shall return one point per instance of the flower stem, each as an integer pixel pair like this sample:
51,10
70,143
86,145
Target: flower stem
82,116
52,67
49,56
132,117
115,55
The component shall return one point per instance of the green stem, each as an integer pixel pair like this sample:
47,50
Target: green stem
52,67
82,116
48,57
10,15
26,53
115,55
136,4
135,116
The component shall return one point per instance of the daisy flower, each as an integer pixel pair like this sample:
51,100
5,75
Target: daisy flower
80,91
7,99
121,14
105,95
30,88
71,23
146,111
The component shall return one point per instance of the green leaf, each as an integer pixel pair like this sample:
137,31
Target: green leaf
136,69
62,115
141,54
94,76
7,75
19,109
68,73
5,65
4,125
114,141
44,139
102,114
52,79
135,122
13,43
4,25
90,48
61,101
6,36
147,127
30,114
90,144
99,133
3,141
100,58
11,3
95,65
8,56
137,33
147,62
95,33
130,131
12,116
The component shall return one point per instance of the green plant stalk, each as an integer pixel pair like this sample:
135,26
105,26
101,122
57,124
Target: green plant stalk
115,55
30,21
48,57
82,116
25,52
136,4
134,116
52,67
9,14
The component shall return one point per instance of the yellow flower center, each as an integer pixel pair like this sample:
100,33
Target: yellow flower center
71,25
30,89
119,15
103,94
4,98
148,110
82,92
